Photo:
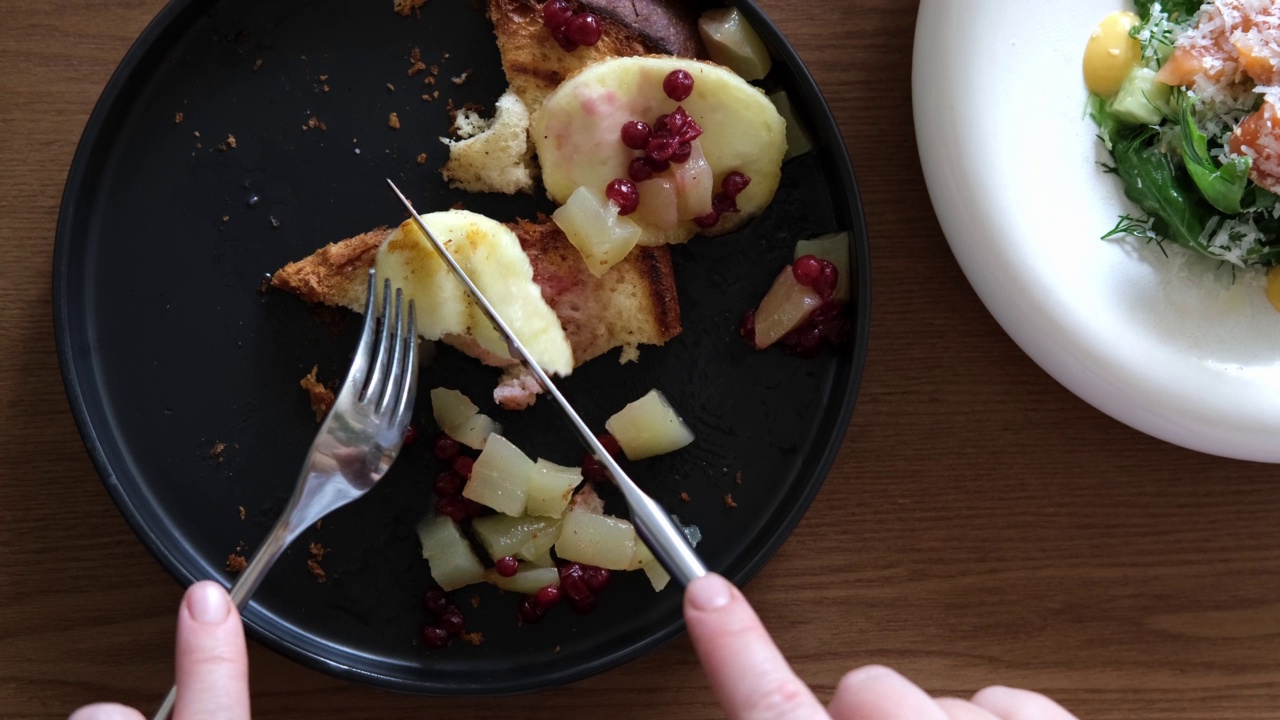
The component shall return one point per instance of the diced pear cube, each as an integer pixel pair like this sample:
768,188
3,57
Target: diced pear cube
451,408
643,559
732,42
503,536
527,580
551,487
783,308
601,540
475,431
834,248
500,477
695,185
453,564
649,426
593,225
798,142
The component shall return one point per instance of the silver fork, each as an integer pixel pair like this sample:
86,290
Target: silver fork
357,442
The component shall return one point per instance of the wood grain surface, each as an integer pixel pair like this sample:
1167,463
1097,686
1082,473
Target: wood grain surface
982,525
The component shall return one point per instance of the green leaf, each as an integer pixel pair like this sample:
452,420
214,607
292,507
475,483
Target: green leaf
1222,185
1175,9
1152,181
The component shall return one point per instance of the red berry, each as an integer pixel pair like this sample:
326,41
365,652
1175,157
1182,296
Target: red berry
662,148
657,166
611,445
575,587
692,131
660,128
806,270
678,84
593,470
596,578
434,636
531,611
747,329
825,285
722,203
435,601
675,123
558,34
583,29
636,134
639,170
448,483
452,621
805,341
624,194
826,312
463,465
708,220
410,433
548,596
584,604
507,566
444,448
568,569
453,507
734,183
556,13
682,153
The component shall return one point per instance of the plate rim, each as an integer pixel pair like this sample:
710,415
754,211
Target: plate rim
97,432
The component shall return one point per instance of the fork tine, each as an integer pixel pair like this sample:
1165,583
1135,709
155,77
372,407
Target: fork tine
395,379
364,349
409,372
378,373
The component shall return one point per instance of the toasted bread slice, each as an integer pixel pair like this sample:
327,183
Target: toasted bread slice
633,304
535,64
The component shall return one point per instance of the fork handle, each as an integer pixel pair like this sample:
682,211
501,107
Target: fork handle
248,581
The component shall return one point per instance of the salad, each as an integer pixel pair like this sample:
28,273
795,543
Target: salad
1185,96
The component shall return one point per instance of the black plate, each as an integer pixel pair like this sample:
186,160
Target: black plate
167,347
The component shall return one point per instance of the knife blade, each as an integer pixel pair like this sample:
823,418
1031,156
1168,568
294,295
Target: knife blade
652,523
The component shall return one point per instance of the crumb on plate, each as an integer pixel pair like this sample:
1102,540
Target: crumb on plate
320,396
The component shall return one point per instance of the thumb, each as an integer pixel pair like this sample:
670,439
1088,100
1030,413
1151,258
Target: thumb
748,673
212,663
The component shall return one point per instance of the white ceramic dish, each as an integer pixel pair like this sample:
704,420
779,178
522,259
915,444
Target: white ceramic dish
1168,345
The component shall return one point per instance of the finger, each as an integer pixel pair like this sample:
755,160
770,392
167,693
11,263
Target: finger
1013,704
212,663
748,674
876,692
106,711
957,709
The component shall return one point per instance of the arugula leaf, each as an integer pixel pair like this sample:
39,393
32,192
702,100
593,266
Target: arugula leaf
1152,181
1222,185
1177,9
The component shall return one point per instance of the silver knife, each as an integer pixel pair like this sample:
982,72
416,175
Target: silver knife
655,526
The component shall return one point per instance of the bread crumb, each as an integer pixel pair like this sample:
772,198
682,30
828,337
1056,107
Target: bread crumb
684,496
728,501
737,478
177,118
415,62
320,396
422,158
196,133
324,88
435,69
429,80
314,122
407,7
216,451
460,79
393,121
475,638
324,78
391,88
257,65
492,155
630,353
556,650
236,562
241,509
231,141
226,218
313,564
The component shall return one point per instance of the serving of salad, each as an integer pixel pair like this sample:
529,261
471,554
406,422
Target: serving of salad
1185,96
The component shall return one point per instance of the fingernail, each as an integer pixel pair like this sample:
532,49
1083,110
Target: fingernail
710,592
208,603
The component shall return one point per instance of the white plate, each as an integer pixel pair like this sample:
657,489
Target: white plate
1169,346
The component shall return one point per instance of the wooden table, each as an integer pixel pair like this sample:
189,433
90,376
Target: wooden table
982,525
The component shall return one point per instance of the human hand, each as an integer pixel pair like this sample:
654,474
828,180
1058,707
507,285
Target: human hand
753,681
212,664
